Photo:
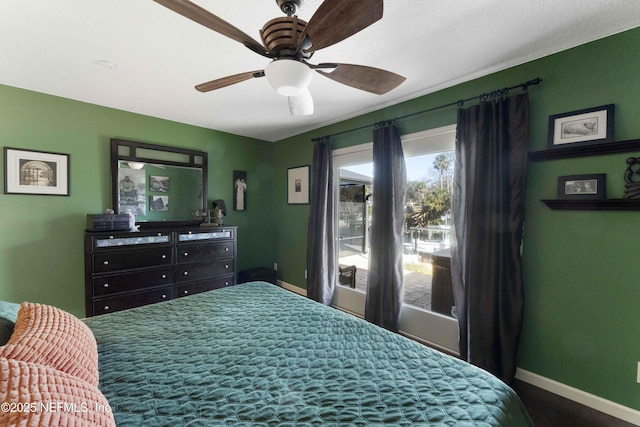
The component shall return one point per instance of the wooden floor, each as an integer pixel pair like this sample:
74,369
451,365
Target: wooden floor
550,410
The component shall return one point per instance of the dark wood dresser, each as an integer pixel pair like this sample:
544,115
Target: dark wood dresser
126,269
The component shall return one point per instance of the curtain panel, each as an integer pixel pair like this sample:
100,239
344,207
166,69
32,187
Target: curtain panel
321,248
385,281
488,211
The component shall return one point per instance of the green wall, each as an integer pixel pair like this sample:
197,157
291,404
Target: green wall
41,237
581,324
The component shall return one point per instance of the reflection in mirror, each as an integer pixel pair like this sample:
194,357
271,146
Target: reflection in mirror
157,183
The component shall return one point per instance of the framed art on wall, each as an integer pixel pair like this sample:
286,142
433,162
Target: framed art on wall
158,203
35,172
590,186
239,190
132,191
298,185
159,184
588,126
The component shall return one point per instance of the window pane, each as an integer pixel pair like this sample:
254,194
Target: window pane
354,215
427,231
424,284
426,234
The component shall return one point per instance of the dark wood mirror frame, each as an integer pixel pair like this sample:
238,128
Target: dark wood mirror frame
136,153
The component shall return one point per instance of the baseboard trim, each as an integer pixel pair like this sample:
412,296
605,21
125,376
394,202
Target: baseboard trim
293,288
582,397
428,343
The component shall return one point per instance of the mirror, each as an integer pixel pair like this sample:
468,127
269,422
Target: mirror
160,185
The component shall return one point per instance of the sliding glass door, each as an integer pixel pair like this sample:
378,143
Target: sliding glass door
428,296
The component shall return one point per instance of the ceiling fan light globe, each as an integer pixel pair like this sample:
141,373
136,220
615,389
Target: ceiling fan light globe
288,77
301,105
135,165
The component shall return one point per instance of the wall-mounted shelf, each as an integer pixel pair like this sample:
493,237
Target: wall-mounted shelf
582,150
578,150
594,204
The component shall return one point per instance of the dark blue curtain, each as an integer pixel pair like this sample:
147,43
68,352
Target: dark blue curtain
321,250
384,284
488,215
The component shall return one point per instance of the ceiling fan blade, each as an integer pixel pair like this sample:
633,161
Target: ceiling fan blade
201,16
229,80
301,105
369,79
335,20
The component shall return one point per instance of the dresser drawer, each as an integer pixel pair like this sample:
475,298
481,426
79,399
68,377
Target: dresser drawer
129,259
133,299
130,239
203,285
212,234
199,253
136,280
203,270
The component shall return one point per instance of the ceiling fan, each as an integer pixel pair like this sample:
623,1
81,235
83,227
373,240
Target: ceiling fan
289,42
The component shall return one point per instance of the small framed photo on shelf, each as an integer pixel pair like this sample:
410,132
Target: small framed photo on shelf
35,172
582,186
298,185
589,126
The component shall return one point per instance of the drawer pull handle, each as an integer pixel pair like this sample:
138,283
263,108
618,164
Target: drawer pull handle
186,292
106,285
226,283
186,273
226,249
164,256
226,266
164,296
189,232
164,276
106,307
111,237
106,263
159,234
186,254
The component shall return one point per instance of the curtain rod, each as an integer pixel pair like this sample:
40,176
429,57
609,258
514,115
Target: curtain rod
460,103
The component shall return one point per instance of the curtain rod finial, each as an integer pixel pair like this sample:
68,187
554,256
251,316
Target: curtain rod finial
536,81
321,139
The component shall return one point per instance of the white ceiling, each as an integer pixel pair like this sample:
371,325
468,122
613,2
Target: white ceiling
52,47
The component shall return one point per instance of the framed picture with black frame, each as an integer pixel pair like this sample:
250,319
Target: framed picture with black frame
585,127
35,172
591,186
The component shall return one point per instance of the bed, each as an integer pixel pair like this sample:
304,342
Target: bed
258,355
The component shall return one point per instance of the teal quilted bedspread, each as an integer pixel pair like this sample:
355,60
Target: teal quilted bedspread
257,355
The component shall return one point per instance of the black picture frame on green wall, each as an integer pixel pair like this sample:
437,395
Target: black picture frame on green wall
36,172
588,186
582,127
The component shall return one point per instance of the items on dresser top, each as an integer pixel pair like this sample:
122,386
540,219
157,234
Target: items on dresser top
108,222
128,269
